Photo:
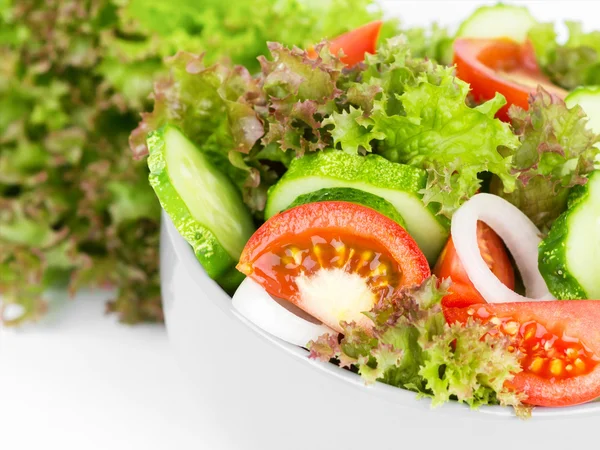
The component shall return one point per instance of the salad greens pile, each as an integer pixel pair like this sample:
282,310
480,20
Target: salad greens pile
422,119
74,207
411,346
406,109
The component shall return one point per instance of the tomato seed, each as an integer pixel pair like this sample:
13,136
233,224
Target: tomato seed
544,353
556,367
530,331
536,365
511,328
571,353
311,252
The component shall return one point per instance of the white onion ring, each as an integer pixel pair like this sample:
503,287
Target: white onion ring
519,234
255,304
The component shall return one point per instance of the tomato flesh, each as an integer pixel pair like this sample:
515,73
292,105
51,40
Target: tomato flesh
551,354
282,263
558,344
462,292
501,65
340,237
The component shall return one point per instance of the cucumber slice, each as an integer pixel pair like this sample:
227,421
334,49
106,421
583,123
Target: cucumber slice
363,198
204,205
568,257
498,21
399,184
589,99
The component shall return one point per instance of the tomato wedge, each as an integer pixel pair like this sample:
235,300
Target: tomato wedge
501,65
559,342
354,43
333,259
461,291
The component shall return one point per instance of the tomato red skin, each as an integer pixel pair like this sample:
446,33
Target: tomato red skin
577,318
355,43
462,292
344,217
478,62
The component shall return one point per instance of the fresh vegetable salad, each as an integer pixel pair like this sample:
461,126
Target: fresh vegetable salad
422,210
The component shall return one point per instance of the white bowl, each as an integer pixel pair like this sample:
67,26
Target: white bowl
266,394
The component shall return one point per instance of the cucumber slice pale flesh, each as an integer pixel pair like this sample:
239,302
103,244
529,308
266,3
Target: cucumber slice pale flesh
588,98
497,21
399,184
363,198
569,257
203,203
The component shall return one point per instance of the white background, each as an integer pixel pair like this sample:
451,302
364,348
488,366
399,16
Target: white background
82,381
86,382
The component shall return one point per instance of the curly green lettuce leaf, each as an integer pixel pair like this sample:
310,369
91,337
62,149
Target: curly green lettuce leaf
412,347
348,132
474,365
556,151
574,63
427,123
300,92
208,103
386,75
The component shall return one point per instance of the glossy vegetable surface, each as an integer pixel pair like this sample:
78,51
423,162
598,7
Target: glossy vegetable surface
493,252
333,259
558,344
500,65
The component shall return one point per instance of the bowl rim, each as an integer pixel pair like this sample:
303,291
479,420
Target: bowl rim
398,396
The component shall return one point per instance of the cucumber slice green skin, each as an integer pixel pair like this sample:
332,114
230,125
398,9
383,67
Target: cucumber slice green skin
498,21
399,184
379,204
203,204
589,99
568,256
230,280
